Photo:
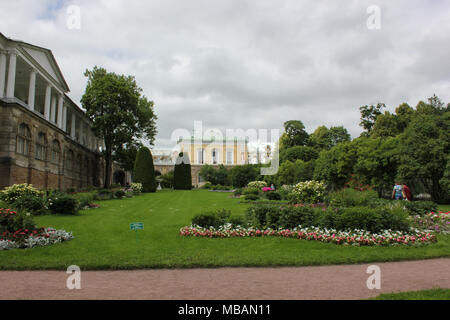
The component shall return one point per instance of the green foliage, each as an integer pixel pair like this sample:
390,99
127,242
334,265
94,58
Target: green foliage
212,219
369,115
272,195
420,207
166,180
257,185
144,171
63,204
119,194
308,192
125,155
182,173
85,198
293,172
137,187
119,112
348,197
295,134
216,176
242,175
251,197
256,215
304,153
30,203
254,191
104,194
14,193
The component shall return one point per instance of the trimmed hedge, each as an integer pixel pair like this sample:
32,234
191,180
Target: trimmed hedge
182,179
212,219
144,170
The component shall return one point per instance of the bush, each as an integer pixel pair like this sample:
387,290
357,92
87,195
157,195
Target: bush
11,221
285,190
257,184
349,197
207,185
32,204
104,194
17,191
256,216
237,221
182,179
420,208
273,195
136,187
251,197
237,192
119,194
64,204
84,199
308,192
144,171
212,219
166,180
247,191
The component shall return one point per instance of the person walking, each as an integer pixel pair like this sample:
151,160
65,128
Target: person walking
406,193
397,192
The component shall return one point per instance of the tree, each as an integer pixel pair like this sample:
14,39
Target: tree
424,149
338,135
368,116
182,177
304,153
242,175
386,125
166,180
119,112
295,134
321,138
126,155
294,172
144,171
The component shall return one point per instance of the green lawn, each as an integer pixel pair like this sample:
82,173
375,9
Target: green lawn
432,294
103,240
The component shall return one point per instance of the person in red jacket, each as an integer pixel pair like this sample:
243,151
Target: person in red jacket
406,193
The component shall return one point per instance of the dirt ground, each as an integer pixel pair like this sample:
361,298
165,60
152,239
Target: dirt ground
297,283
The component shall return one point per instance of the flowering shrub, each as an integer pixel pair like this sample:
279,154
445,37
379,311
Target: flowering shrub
257,184
137,187
433,221
354,238
35,238
17,191
308,192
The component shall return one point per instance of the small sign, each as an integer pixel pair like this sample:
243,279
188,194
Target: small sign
137,226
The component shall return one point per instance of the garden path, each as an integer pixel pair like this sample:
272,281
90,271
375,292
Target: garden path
315,282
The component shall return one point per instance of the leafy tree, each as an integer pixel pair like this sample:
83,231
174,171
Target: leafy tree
368,116
144,171
386,125
294,172
119,112
338,135
125,155
424,150
166,180
404,115
182,177
242,175
321,138
304,153
295,134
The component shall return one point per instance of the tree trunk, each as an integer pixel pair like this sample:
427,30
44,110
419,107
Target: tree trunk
108,163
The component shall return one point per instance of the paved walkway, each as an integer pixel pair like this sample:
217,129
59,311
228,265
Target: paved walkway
323,282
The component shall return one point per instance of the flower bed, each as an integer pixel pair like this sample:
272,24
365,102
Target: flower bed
354,238
30,239
433,221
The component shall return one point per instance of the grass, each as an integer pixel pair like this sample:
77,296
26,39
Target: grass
103,240
432,294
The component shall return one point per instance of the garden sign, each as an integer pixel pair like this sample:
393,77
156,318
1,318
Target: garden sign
135,226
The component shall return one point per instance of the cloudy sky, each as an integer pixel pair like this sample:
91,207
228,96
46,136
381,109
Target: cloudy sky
249,64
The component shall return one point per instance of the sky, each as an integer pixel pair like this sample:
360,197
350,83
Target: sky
248,64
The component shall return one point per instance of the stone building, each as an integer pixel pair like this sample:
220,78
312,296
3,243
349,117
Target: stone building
45,138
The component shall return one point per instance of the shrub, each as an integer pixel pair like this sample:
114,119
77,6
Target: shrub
251,197
84,199
212,219
291,217
237,221
237,192
247,191
256,215
420,208
64,204
104,194
308,192
257,184
273,195
30,203
136,187
70,190
119,194
349,197
13,193
144,171
207,185
182,179
166,180
285,190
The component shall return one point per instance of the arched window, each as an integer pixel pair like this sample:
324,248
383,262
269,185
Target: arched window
40,146
69,160
56,152
23,140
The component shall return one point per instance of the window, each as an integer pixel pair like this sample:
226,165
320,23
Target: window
40,146
56,152
215,156
23,140
200,156
229,157
69,160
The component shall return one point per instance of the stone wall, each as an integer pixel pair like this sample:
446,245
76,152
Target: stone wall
71,166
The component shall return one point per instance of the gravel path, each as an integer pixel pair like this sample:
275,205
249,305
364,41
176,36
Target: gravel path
297,283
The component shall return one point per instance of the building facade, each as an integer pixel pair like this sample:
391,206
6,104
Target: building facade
45,138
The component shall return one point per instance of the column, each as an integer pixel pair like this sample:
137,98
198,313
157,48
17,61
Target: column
64,123
72,133
235,155
32,90
81,131
48,95
2,74
60,111
11,75
53,110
